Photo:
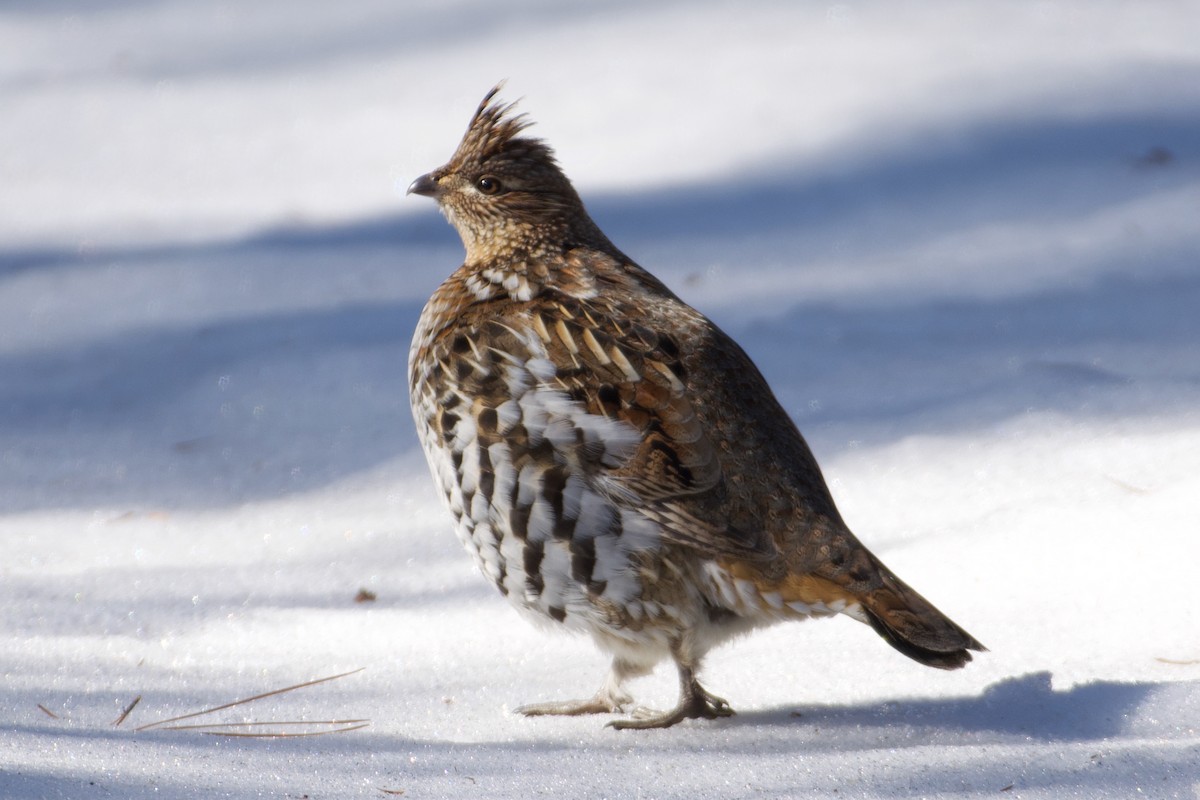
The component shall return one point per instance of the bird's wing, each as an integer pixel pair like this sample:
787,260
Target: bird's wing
571,418
619,379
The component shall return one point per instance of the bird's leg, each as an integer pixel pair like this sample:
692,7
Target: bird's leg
695,702
610,698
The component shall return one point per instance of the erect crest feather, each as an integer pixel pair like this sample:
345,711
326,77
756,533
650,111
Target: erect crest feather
494,130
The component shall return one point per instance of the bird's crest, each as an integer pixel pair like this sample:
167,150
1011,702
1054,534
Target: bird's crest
495,130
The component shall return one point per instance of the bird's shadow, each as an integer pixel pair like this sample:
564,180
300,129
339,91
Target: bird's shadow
1024,706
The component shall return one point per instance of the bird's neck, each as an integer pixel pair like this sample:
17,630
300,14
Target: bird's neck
520,260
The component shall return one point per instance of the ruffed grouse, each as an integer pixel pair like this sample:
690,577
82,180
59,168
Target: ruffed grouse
614,461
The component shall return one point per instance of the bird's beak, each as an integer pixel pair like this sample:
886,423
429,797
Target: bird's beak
425,186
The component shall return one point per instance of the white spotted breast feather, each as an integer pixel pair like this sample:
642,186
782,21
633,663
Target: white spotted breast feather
526,471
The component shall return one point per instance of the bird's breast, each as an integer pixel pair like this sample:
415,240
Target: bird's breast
520,466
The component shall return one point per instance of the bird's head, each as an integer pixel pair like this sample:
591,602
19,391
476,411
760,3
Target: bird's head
504,193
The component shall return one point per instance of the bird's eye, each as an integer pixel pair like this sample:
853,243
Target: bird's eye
488,185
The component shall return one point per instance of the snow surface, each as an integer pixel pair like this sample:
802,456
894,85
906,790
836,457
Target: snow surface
960,239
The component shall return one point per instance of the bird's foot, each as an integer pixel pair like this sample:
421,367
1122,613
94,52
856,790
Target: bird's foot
696,703
602,703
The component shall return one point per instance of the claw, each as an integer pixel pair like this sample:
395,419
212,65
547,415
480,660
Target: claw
695,702
571,708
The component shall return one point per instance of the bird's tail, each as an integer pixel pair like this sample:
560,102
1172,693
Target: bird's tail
912,625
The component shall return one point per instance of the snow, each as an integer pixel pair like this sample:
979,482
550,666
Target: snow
960,240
